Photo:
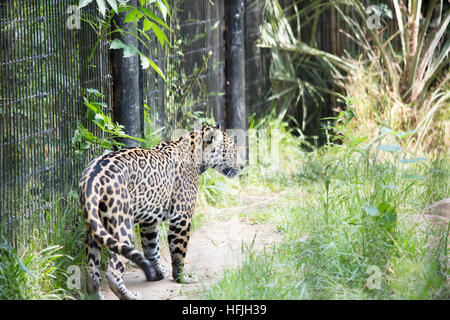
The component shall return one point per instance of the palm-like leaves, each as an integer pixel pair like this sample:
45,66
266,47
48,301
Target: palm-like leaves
414,76
291,56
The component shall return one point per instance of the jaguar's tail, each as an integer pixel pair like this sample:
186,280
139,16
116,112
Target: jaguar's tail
95,226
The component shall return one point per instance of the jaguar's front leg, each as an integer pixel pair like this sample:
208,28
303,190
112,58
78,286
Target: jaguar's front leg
178,236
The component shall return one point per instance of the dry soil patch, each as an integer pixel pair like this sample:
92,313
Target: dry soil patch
213,247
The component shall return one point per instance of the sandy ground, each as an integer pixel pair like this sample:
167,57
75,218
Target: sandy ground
213,247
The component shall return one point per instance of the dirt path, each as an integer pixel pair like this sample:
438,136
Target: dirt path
212,247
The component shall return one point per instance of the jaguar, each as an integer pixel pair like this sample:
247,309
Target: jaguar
146,187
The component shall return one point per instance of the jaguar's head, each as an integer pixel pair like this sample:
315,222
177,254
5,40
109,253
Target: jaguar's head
219,151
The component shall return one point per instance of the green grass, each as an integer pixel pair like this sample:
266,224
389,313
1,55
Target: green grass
347,213
40,268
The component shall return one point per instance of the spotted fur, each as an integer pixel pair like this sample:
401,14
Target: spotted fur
148,186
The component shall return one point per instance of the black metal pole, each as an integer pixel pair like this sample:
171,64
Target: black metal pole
126,100
236,110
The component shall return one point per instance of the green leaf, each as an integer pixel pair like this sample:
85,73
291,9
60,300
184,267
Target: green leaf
156,68
88,136
413,160
85,145
215,25
389,216
159,34
90,114
414,176
76,136
125,8
128,50
78,154
23,267
101,7
131,137
152,16
105,144
371,211
113,4
95,92
167,5
100,120
402,134
383,207
133,15
390,148
144,62
391,187
83,3
147,25
100,104
116,44
163,7
90,106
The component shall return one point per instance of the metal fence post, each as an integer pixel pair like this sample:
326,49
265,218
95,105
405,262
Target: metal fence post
236,110
125,72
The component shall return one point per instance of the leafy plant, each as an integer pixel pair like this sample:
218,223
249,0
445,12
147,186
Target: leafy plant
349,208
140,15
404,89
85,140
418,73
298,71
29,275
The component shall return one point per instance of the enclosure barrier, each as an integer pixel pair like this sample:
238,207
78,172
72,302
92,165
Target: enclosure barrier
47,62
44,70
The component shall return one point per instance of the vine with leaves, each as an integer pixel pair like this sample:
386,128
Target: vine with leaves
144,18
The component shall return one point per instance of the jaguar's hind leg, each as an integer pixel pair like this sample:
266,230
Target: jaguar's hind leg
114,274
150,245
93,252
117,263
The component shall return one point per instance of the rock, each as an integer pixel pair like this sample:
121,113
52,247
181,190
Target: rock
438,214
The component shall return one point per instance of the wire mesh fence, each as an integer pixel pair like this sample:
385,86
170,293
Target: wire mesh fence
257,62
193,65
44,69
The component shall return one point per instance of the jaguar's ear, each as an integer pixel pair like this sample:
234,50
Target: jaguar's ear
218,126
213,136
